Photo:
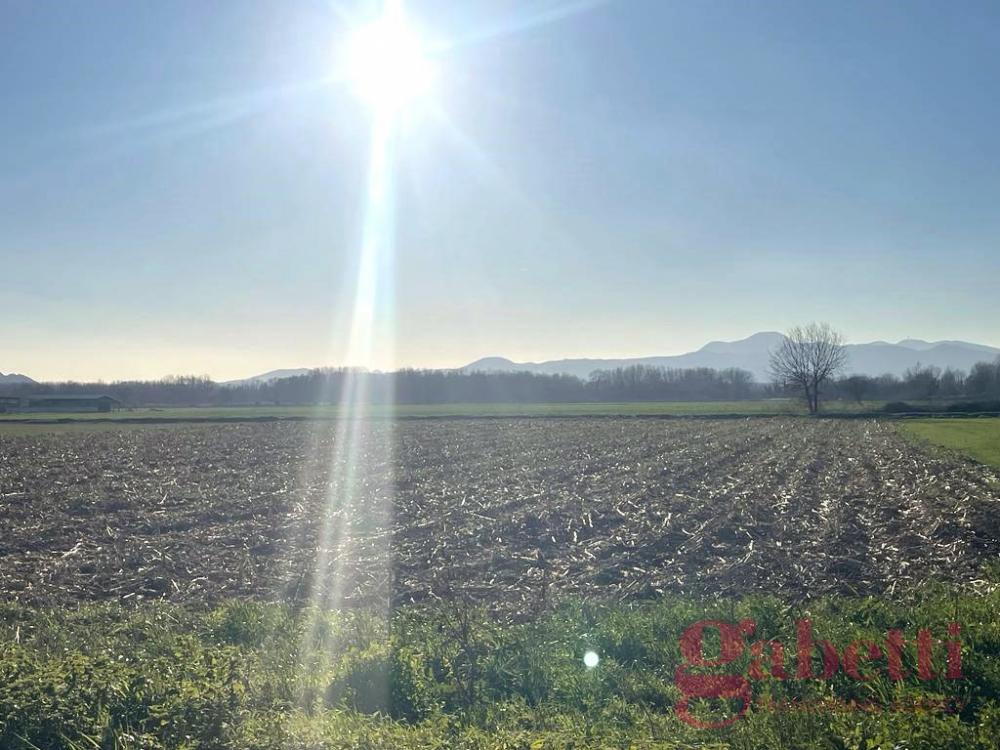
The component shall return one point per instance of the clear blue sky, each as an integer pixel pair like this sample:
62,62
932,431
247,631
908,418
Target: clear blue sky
180,191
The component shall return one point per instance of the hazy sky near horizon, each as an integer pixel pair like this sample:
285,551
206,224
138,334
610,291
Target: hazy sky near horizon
182,186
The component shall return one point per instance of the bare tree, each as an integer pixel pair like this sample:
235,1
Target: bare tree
808,357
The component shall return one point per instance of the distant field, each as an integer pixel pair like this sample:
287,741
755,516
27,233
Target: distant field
664,408
979,438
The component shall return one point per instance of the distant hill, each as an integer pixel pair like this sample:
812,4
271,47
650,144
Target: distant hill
15,378
267,377
751,354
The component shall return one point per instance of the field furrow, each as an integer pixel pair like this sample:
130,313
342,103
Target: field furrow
504,511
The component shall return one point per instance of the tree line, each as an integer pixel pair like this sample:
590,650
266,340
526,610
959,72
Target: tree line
633,383
413,386
923,383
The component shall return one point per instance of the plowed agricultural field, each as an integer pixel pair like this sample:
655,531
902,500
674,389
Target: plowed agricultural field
504,511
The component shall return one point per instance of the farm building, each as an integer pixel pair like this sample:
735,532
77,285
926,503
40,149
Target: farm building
59,402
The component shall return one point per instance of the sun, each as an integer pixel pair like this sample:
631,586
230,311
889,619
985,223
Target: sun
387,62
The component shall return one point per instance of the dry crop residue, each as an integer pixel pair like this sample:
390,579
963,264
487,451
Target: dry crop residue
505,511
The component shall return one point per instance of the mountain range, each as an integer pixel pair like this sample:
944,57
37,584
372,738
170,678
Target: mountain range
751,353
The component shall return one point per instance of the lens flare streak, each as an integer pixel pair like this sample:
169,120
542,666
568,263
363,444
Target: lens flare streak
359,497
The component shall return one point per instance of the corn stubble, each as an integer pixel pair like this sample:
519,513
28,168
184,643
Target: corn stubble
508,513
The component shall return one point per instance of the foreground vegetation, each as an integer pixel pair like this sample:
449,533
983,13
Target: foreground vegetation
978,438
252,675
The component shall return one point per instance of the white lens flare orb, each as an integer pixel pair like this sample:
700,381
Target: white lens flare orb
387,62
591,659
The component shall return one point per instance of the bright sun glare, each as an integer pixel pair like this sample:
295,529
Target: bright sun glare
387,62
